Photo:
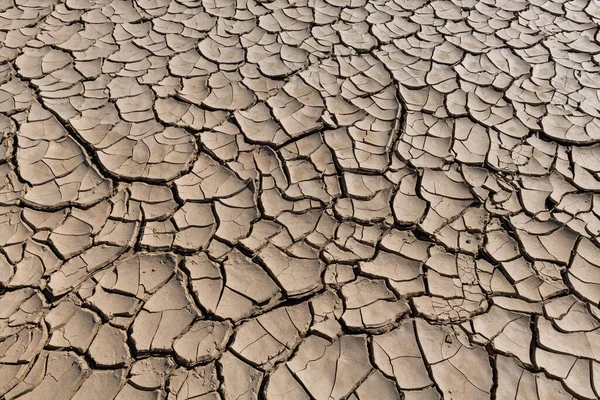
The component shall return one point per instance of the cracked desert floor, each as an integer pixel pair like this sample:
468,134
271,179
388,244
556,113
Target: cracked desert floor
299,199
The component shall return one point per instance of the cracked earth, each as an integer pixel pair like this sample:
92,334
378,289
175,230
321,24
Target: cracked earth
299,199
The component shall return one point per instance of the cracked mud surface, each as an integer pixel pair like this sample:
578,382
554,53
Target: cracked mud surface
299,199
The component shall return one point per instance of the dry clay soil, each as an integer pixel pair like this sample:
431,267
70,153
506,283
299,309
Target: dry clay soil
299,199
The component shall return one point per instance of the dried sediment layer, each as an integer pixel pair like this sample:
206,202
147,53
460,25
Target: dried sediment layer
288,200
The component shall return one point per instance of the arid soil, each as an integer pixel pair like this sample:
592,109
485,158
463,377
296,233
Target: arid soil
299,199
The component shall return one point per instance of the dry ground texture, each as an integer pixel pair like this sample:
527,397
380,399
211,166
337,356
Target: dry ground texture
299,199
